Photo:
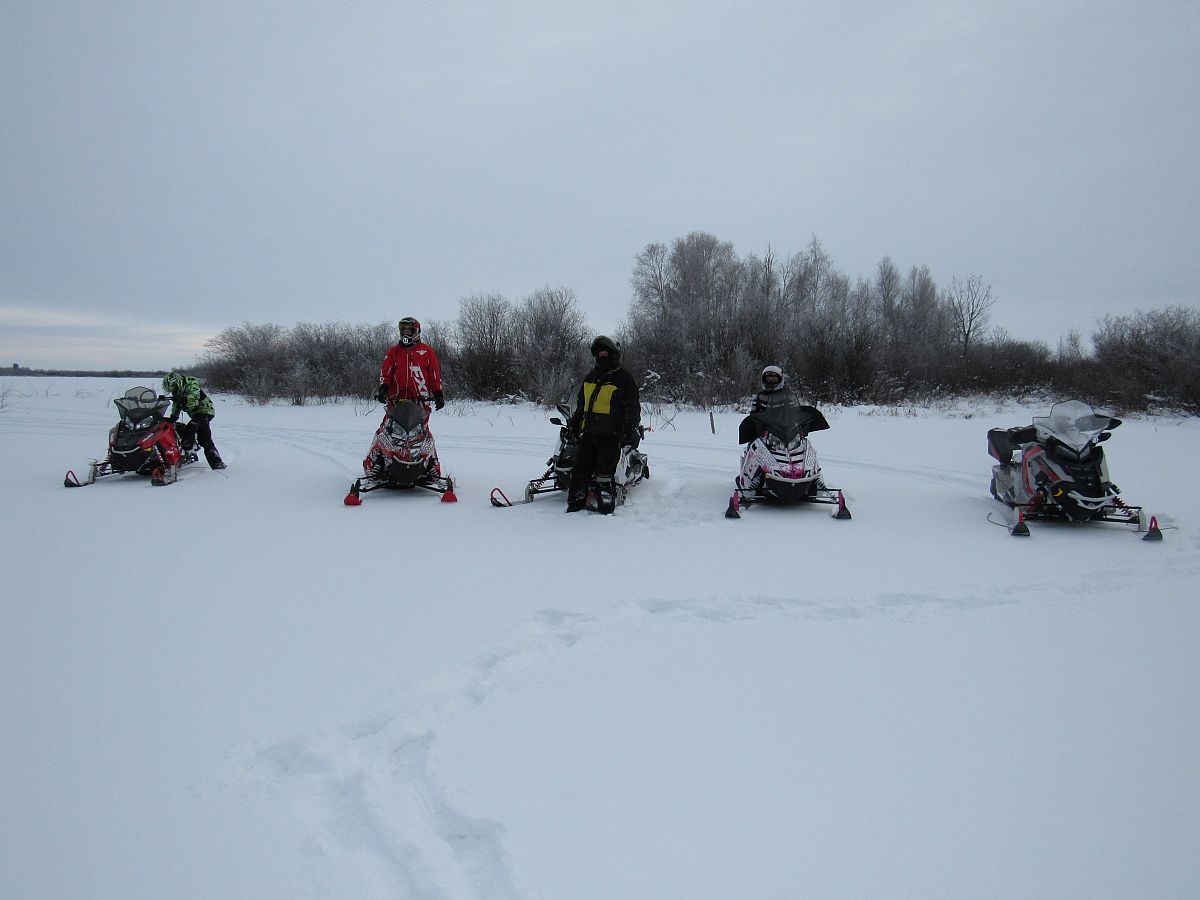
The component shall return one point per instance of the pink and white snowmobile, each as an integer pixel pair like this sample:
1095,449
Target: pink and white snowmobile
143,442
779,464
402,456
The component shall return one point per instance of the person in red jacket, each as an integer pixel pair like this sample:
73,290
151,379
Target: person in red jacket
411,370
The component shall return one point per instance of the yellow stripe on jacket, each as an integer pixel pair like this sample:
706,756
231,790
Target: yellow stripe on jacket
601,402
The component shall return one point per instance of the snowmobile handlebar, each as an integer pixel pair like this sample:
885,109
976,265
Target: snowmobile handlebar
392,401
640,430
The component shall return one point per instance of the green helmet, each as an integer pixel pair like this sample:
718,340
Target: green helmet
172,383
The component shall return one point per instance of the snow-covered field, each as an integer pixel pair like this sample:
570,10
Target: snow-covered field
235,686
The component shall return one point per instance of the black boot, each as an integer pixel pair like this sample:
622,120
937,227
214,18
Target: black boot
214,458
576,501
606,498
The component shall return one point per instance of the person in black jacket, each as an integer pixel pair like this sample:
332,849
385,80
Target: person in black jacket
773,391
606,417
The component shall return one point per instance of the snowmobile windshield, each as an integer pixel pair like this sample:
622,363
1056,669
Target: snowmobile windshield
406,418
1074,423
790,421
141,403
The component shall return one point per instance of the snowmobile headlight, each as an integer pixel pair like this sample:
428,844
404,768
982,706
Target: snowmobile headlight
774,443
1066,451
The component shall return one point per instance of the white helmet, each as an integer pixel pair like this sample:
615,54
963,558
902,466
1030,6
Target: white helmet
772,379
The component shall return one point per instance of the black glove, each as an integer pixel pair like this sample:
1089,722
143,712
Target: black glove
438,400
381,393
175,418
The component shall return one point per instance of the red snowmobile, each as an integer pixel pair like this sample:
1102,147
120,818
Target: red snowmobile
143,442
402,456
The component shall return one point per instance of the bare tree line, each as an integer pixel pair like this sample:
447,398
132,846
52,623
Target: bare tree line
706,322
702,322
531,349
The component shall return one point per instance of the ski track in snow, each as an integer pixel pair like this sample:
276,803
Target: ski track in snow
343,452
365,789
930,474
332,447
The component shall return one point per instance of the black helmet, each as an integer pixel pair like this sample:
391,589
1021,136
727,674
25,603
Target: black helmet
612,348
410,331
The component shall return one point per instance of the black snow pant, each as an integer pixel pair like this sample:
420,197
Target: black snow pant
201,427
596,457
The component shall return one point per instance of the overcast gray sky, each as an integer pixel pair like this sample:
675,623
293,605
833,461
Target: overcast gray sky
169,169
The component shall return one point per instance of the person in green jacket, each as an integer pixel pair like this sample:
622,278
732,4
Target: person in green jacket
187,396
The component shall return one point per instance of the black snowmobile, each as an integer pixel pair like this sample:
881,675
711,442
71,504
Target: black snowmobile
1060,471
143,442
632,467
779,464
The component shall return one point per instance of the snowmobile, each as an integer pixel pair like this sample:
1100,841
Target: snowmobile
1061,472
143,442
402,456
632,466
779,464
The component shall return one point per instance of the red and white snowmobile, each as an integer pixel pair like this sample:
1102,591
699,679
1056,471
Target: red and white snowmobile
632,467
402,456
143,442
1061,472
779,464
